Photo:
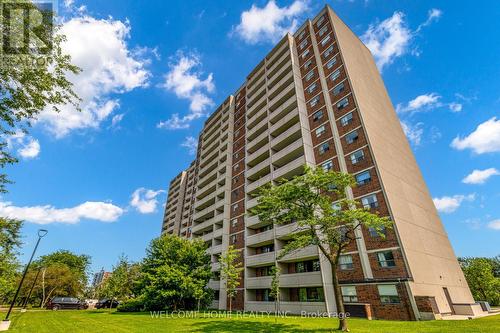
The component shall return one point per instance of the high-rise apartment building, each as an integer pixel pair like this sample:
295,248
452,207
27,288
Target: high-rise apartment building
318,99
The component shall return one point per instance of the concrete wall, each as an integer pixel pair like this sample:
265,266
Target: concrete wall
426,248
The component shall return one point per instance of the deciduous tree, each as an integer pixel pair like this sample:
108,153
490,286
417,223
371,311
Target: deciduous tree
325,217
230,269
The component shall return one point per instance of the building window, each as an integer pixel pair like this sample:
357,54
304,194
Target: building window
345,262
388,294
303,44
324,148
302,34
386,259
267,248
349,294
328,165
370,201
307,266
235,193
318,115
235,207
377,233
320,131
308,64
313,294
346,120
352,137
305,54
331,63
325,40
323,30
263,295
338,89
309,75
343,103
363,178
328,51
235,180
233,239
314,101
236,167
357,157
335,75
312,87
320,21
234,222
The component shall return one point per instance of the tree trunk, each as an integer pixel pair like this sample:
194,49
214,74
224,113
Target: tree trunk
339,301
230,304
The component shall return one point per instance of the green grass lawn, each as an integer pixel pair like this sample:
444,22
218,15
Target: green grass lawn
103,321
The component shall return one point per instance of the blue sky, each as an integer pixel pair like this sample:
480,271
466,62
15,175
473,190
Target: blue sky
153,71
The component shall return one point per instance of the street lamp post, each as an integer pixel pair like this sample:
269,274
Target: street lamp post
41,234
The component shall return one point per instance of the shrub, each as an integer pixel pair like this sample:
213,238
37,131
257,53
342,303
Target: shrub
131,305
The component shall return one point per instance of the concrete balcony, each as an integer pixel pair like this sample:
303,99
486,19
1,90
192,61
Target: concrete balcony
300,307
258,104
276,53
261,151
256,97
251,203
258,183
260,238
284,231
255,86
258,117
260,282
282,97
293,147
203,226
259,306
213,284
276,87
259,169
287,137
260,259
255,131
280,61
289,120
215,266
293,168
258,142
308,252
309,279
216,249
253,221
204,212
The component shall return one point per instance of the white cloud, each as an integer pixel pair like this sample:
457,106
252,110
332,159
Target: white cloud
69,3
269,23
420,103
186,82
100,48
433,15
455,107
388,39
191,144
144,200
414,133
495,225
26,146
117,118
99,211
484,139
392,37
450,204
480,176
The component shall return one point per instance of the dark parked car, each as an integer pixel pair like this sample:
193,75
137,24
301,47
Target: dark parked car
58,303
106,303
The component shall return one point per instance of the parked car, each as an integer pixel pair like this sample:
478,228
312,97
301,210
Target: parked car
106,303
58,303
